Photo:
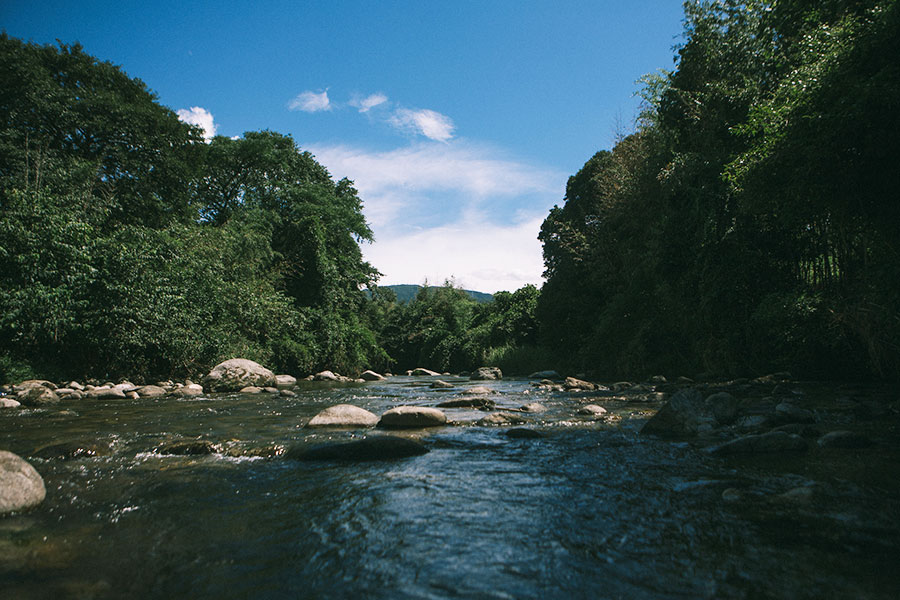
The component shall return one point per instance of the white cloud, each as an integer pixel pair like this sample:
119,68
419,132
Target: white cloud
429,123
311,102
369,102
451,209
201,117
479,256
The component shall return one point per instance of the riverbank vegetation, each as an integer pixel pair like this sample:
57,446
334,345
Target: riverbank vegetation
748,224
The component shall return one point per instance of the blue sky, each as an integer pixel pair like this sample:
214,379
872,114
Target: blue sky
458,121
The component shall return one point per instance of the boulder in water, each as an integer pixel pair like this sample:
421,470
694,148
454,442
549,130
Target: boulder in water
71,450
571,383
151,391
343,415
21,487
283,382
478,403
420,372
37,395
773,441
237,373
844,439
381,447
187,448
592,410
501,418
9,403
412,417
371,376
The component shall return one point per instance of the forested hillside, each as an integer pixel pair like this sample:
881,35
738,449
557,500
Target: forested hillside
131,247
751,222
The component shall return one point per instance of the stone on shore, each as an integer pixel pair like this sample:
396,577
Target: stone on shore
37,395
412,417
486,374
343,415
188,391
236,373
381,447
9,403
151,391
773,441
325,376
21,486
106,393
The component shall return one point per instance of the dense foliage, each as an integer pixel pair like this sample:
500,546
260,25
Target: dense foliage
130,247
751,222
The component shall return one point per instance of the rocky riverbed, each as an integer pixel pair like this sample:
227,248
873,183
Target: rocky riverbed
749,488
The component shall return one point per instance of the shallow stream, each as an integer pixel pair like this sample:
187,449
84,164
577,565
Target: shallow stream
591,510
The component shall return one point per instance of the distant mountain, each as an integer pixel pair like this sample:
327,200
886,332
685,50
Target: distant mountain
406,292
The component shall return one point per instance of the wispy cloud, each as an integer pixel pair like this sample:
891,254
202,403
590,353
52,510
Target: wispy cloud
369,102
200,117
450,209
311,102
429,123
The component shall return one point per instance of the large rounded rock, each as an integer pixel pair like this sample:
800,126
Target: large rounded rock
106,393
37,395
237,373
283,382
371,376
412,417
343,415
151,391
479,403
486,374
420,372
382,447
9,403
684,415
21,486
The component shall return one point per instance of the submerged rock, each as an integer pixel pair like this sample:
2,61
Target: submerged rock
236,373
381,447
412,417
773,441
71,450
844,439
187,448
486,374
343,415
440,385
523,433
533,407
188,391
501,418
21,486
477,403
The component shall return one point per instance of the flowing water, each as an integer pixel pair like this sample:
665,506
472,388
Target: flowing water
591,510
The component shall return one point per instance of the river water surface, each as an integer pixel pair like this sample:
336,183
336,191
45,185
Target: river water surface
591,510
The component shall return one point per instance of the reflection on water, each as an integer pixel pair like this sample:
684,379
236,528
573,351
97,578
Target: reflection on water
592,510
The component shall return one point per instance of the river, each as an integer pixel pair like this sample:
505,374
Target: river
591,510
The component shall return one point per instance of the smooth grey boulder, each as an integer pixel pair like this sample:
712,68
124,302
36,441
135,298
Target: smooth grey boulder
773,441
237,373
9,403
106,393
412,417
592,410
188,391
343,415
325,376
251,389
440,385
533,407
21,486
371,376
151,391
478,390
381,447
486,374
283,382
